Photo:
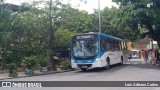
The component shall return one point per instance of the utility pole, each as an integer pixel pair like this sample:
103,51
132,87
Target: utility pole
99,14
51,52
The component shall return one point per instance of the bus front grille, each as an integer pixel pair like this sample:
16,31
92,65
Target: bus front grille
82,65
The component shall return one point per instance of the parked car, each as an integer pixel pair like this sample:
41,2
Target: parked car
135,56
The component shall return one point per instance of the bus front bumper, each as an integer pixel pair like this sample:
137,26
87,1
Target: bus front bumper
96,64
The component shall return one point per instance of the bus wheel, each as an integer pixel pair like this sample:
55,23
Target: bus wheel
83,69
121,61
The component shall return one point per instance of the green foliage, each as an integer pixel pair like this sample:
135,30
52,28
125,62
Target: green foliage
12,67
5,18
113,25
141,13
64,64
62,41
75,20
44,62
30,62
56,60
63,37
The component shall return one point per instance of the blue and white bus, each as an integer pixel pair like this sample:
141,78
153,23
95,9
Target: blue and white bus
95,50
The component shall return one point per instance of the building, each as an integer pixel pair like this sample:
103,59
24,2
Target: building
141,44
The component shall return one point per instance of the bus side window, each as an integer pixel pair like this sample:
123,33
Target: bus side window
108,44
117,46
102,43
113,44
120,45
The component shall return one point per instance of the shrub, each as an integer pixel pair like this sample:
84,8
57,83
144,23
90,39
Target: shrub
64,64
30,62
44,62
13,70
56,60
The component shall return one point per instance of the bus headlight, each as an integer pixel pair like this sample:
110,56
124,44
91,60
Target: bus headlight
72,61
97,59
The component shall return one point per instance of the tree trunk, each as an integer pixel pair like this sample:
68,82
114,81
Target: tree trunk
51,52
52,61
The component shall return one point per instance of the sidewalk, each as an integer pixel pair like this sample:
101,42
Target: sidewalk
139,61
135,60
5,75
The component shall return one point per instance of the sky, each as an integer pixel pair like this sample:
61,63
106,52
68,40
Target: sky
89,6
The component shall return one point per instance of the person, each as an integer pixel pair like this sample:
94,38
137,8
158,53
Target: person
79,53
157,56
129,56
86,53
146,55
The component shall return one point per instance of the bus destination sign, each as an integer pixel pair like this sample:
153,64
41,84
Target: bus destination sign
85,36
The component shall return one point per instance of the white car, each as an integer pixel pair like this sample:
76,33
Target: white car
135,56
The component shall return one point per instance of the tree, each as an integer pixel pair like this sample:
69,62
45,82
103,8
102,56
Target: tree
75,20
141,13
63,41
5,35
112,25
62,38
24,33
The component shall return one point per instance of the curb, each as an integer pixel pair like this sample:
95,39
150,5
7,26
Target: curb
37,74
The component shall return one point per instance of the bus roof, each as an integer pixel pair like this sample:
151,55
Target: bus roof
109,36
101,34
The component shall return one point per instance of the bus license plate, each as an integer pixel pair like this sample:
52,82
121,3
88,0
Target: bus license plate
84,66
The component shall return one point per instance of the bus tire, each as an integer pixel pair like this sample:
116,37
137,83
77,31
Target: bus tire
121,63
108,63
83,69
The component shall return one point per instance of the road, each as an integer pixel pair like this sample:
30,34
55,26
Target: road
133,70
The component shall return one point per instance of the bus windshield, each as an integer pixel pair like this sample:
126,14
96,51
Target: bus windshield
85,48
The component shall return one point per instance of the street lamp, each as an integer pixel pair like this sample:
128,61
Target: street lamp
99,16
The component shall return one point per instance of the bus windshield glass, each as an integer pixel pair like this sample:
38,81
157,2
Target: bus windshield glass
85,48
